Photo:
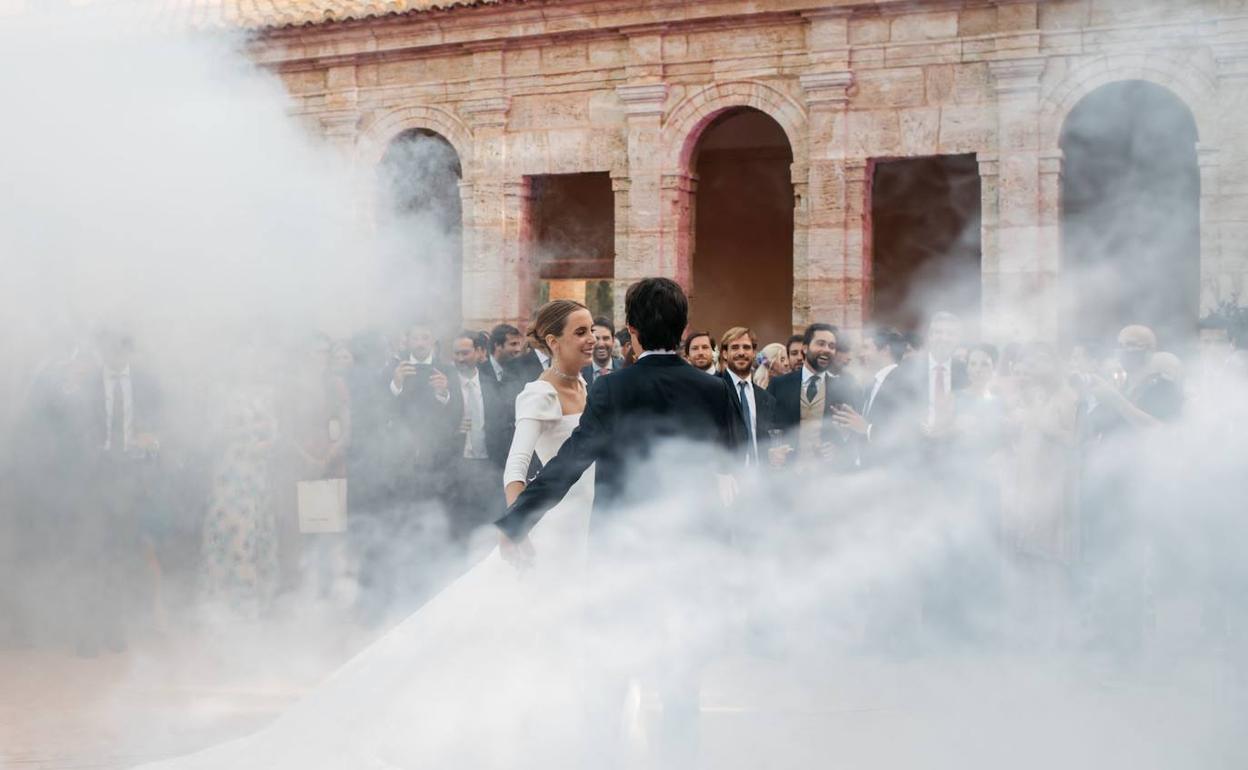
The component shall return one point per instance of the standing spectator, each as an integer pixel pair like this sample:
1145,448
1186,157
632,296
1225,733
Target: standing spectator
1145,399
755,405
773,361
806,399
315,422
238,558
797,352
506,343
603,361
428,409
700,351
884,402
475,493
627,353
1038,524
528,366
124,424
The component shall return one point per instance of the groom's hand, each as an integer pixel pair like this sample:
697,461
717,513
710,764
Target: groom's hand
518,553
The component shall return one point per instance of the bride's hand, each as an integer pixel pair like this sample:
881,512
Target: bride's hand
519,554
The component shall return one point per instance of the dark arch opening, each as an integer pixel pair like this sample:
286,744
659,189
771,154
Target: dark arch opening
1130,215
422,219
743,226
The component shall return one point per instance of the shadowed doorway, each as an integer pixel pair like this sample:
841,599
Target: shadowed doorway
422,220
1130,215
743,242
925,240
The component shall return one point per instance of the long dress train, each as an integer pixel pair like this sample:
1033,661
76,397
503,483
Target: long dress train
484,676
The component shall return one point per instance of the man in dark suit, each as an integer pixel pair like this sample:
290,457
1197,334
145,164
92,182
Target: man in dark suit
885,398
909,410
627,418
603,361
806,399
757,407
476,480
428,407
123,412
506,343
526,367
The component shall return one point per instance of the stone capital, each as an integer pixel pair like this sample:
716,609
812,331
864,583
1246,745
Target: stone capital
827,88
1017,76
643,98
490,112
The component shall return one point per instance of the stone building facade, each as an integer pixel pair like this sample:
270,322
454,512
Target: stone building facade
528,89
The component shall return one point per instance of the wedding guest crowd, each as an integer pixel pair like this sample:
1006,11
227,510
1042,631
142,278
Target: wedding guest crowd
419,427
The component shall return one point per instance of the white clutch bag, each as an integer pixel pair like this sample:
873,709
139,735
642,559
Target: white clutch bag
322,506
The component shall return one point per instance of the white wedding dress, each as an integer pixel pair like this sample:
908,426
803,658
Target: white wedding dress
484,676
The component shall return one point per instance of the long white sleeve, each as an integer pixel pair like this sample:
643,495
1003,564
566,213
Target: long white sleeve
528,430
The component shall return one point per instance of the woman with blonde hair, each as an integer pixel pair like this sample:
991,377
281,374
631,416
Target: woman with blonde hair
773,361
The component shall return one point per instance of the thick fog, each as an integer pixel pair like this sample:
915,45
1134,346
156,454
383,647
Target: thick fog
157,188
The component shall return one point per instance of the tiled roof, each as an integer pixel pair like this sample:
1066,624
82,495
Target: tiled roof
257,14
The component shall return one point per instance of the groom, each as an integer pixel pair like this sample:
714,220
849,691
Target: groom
660,398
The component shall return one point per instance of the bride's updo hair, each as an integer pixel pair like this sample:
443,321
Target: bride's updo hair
551,318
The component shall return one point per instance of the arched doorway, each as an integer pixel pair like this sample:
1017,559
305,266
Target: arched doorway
421,220
1130,215
742,262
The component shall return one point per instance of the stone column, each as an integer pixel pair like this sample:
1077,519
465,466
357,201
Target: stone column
1023,293
828,278
493,278
1224,185
644,251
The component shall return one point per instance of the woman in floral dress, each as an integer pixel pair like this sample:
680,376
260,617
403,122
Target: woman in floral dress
239,562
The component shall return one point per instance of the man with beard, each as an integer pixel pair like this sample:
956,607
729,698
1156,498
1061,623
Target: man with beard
807,397
506,344
1146,399
797,352
476,487
700,351
756,406
603,361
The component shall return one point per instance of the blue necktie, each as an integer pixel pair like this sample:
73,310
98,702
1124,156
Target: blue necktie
749,420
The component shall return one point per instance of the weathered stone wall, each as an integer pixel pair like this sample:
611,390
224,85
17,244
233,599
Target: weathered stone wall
626,88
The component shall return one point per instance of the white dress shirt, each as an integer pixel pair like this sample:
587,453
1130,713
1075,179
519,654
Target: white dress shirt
880,376
497,367
749,396
474,409
111,380
645,353
807,373
545,359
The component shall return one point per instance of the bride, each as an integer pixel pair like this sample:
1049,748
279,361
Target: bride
486,674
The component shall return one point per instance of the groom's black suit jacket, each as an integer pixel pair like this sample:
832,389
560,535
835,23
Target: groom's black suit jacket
659,398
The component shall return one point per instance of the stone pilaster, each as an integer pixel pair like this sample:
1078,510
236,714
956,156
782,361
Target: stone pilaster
649,248
1224,185
492,254
1023,292
828,277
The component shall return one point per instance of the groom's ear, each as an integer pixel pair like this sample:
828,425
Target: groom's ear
634,337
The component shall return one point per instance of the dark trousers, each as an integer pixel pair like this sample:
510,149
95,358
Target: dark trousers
474,498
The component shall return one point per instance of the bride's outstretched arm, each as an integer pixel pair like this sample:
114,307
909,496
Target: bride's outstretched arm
520,456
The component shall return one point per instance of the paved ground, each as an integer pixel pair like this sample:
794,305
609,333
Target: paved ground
168,696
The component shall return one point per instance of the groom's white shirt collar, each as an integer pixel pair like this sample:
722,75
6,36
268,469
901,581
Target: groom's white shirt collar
645,353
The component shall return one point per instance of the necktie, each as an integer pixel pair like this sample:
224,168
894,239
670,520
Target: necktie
603,372
749,418
941,392
117,425
812,389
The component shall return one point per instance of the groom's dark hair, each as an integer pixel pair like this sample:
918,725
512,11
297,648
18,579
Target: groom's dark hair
658,310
